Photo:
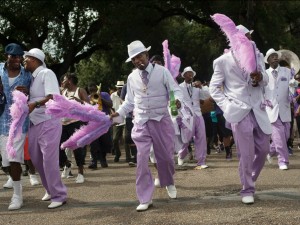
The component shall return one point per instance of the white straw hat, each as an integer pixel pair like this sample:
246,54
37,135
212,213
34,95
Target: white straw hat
188,69
270,52
135,48
36,53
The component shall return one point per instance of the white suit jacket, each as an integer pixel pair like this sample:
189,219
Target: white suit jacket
277,92
234,94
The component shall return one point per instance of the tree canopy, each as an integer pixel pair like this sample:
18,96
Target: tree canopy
91,37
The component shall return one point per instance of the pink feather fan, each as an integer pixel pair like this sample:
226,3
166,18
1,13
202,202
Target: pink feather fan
243,49
172,63
98,122
19,111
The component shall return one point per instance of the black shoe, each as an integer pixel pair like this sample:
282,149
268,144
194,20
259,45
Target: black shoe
92,166
103,164
290,150
116,159
229,156
131,164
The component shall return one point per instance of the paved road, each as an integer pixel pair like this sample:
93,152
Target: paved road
207,196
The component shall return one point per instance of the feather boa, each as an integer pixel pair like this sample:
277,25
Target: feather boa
98,122
19,111
172,63
242,47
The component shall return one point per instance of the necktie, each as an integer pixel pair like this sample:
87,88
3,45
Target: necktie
275,74
144,77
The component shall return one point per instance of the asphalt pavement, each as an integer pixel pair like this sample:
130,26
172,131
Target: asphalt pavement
207,196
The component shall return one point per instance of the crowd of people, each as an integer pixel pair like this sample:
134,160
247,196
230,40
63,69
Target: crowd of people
161,117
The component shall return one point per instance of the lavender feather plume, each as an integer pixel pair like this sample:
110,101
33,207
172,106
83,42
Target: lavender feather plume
172,63
98,122
243,48
19,111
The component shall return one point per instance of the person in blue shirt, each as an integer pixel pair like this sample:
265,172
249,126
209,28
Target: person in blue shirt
14,77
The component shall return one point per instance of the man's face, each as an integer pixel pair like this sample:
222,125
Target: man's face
119,89
273,60
141,60
14,61
29,63
188,77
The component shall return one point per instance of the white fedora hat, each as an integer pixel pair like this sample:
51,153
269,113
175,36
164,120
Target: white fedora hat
135,48
270,52
188,69
36,53
120,83
244,29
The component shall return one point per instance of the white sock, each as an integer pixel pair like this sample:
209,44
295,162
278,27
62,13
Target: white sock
17,188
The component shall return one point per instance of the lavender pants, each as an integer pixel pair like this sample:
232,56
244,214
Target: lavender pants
161,134
280,135
199,142
43,140
252,147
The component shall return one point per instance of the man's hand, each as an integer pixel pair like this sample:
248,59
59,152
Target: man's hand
178,104
115,114
256,76
197,84
31,106
22,89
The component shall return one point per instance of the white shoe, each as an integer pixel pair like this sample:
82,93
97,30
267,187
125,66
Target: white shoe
156,182
180,161
172,192
144,207
204,166
79,179
46,197
283,167
9,183
33,180
66,172
248,199
269,158
54,205
16,202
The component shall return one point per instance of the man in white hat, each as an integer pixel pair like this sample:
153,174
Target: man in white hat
117,130
45,132
277,92
239,94
148,89
192,96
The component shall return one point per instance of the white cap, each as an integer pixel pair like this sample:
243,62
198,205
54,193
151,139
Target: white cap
36,53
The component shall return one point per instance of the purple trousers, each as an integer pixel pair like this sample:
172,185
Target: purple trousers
280,135
43,140
161,134
199,141
252,147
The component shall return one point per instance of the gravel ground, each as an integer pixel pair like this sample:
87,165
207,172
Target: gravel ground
209,196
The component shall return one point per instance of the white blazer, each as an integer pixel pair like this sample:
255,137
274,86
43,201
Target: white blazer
277,92
231,88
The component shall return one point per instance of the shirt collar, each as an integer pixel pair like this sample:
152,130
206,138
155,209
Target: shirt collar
37,70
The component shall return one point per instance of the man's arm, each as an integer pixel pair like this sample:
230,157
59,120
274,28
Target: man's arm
216,85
